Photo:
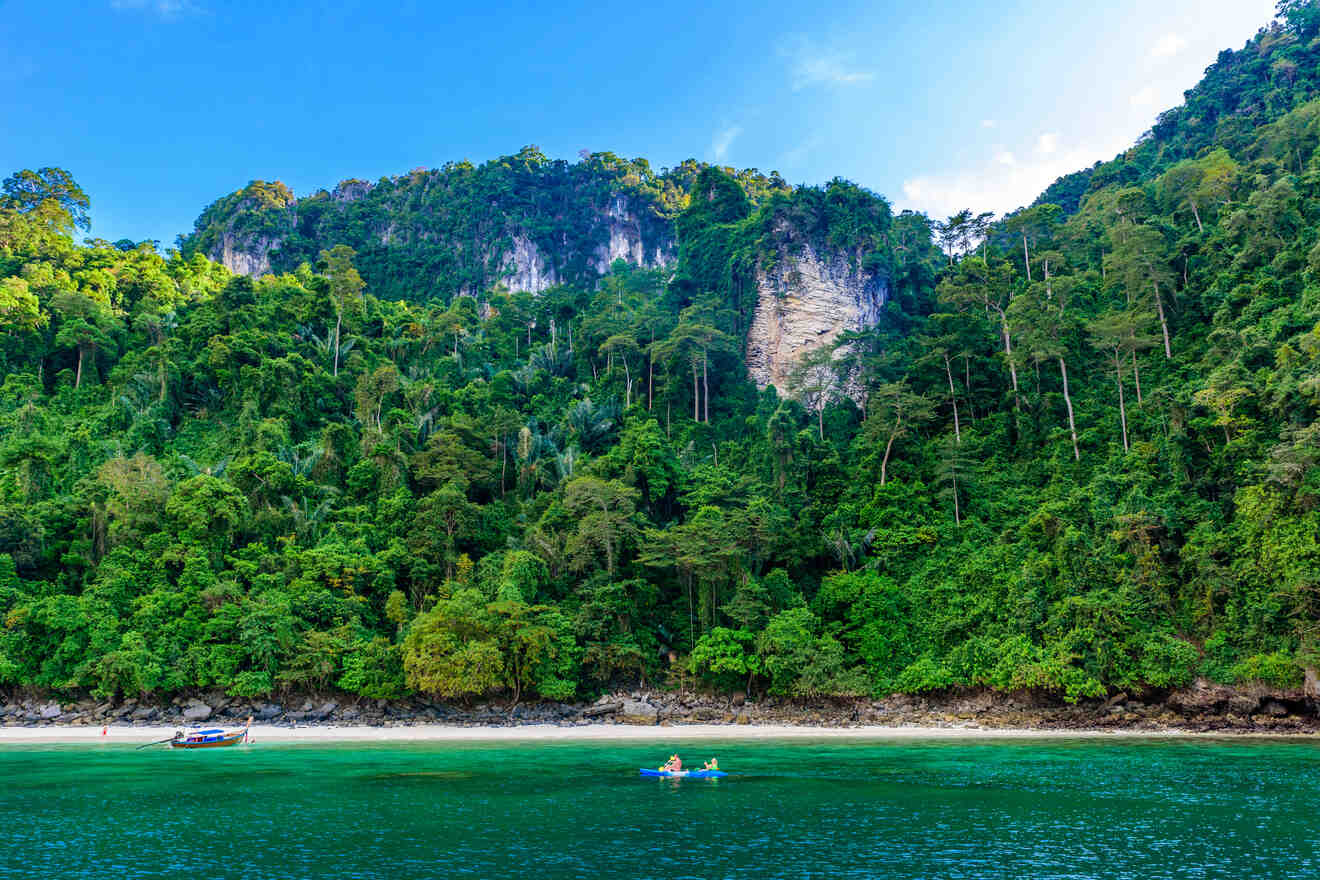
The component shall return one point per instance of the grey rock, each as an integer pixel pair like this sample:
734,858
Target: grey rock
637,712
267,711
49,711
197,711
323,711
806,298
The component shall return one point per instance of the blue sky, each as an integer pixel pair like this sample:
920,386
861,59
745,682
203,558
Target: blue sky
160,106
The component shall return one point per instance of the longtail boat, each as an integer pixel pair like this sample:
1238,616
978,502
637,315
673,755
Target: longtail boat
210,739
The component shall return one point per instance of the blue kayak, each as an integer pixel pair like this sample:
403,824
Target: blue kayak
685,774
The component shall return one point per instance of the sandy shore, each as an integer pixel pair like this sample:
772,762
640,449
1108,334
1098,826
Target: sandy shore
87,735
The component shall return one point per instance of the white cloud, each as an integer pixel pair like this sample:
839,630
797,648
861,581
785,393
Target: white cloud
163,8
1168,45
988,123
812,66
998,185
1145,99
1048,144
794,157
724,138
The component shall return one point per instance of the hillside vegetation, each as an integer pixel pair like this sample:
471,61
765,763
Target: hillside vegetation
1087,458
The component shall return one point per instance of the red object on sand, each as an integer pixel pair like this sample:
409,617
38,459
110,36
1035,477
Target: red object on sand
103,730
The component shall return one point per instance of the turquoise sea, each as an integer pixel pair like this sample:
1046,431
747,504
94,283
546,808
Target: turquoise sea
1097,808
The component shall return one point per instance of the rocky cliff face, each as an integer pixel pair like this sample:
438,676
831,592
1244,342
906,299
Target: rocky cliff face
805,300
625,232
526,267
245,255
628,242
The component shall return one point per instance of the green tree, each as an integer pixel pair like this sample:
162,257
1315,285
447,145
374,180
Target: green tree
604,511
893,412
345,289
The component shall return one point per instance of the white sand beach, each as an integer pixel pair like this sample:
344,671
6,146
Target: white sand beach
121,735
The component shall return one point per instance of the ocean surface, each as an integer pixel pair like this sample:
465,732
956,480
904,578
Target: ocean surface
1094,808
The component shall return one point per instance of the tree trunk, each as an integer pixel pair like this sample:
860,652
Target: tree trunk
1197,215
696,395
953,398
627,387
820,420
1008,352
884,463
1122,407
705,388
1136,376
339,320
1164,324
77,381
1026,256
1067,399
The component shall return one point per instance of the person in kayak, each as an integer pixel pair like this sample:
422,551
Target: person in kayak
712,764
674,764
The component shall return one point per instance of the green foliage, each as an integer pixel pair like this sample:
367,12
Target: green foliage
378,471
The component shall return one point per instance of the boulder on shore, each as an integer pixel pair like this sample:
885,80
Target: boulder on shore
196,711
637,712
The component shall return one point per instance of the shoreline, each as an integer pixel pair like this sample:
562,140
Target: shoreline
1203,708
126,735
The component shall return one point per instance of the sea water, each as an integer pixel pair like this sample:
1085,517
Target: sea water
1087,808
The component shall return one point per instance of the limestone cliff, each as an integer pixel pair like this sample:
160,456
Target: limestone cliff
525,266
628,240
805,299
242,230
523,221
245,255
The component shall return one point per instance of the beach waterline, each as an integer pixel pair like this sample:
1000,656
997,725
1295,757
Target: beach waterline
920,806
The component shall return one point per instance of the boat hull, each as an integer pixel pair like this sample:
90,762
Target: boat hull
229,739
685,774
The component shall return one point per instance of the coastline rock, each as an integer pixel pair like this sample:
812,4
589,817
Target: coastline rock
322,712
267,711
196,711
636,712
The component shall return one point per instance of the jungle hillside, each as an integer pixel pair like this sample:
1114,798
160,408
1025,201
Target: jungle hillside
1077,451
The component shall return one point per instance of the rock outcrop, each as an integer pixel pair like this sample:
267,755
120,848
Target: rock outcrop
246,231
628,242
805,300
245,255
526,269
